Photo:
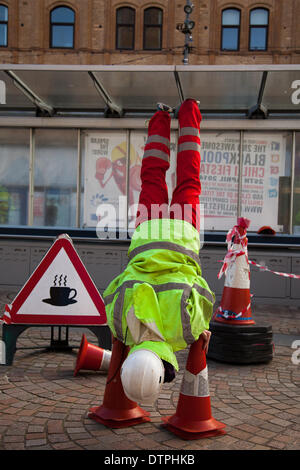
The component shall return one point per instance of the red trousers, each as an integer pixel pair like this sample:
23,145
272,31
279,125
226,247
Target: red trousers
153,201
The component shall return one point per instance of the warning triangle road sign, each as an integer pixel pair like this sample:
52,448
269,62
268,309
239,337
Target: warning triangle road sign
59,291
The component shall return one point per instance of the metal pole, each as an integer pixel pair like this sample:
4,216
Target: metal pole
292,182
187,37
79,173
128,136
31,176
239,205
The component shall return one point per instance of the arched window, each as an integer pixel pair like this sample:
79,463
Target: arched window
62,25
3,25
258,29
153,18
231,20
125,25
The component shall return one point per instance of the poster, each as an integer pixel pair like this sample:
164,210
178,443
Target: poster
108,179
105,177
263,164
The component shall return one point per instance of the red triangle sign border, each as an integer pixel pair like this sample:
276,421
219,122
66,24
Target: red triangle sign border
62,242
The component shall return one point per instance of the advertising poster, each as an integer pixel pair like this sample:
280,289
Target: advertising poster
106,176
108,179
263,164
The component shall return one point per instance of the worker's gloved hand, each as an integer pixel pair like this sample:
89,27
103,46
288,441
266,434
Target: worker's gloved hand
169,371
206,334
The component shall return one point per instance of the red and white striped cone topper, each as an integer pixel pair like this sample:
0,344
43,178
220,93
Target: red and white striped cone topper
235,306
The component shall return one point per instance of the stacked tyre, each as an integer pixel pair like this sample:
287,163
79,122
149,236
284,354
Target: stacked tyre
249,344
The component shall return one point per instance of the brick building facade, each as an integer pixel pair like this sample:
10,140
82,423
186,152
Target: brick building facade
26,25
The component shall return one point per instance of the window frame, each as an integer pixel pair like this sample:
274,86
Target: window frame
6,24
259,26
54,23
158,26
128,25
238,27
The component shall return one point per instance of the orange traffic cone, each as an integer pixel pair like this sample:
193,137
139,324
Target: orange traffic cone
91,357
193,419
117,411
235,306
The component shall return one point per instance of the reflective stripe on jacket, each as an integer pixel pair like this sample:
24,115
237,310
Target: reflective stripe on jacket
160,301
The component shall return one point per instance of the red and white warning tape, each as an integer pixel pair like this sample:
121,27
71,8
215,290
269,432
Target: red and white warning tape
264,268
230,315
6,318
231,253
233,256
230,258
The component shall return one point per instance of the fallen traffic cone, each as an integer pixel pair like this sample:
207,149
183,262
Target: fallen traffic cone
235,306
117,411
193,419
91,357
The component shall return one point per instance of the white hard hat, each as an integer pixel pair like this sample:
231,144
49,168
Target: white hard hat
142,376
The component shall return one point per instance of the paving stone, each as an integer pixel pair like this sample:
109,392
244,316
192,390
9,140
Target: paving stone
43,406
35,442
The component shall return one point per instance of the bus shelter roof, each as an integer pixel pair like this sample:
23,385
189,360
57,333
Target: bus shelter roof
249,91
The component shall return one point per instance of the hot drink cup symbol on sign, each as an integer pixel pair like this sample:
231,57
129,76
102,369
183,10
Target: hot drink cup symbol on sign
60,294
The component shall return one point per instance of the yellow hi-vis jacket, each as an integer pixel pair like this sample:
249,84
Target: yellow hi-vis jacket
160,302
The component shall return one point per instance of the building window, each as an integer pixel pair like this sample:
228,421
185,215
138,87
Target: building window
62,27
296,198
231,19
259,23
125,28
55,178
153,28
14,176
3,25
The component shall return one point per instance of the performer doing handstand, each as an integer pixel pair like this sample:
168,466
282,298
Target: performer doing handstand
161,303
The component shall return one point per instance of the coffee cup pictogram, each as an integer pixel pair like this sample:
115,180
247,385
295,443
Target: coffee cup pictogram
61,295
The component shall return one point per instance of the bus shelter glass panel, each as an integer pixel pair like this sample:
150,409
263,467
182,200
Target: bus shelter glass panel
266,180
296,201
14,176
219,176
138,141
105,156
55,178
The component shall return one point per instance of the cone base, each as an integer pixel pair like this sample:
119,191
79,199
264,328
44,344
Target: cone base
117,419
235,301
234,322
206,428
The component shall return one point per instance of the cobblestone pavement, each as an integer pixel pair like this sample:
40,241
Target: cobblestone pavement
43,406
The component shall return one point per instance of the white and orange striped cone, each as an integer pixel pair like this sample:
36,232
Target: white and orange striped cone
193,418
235,306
